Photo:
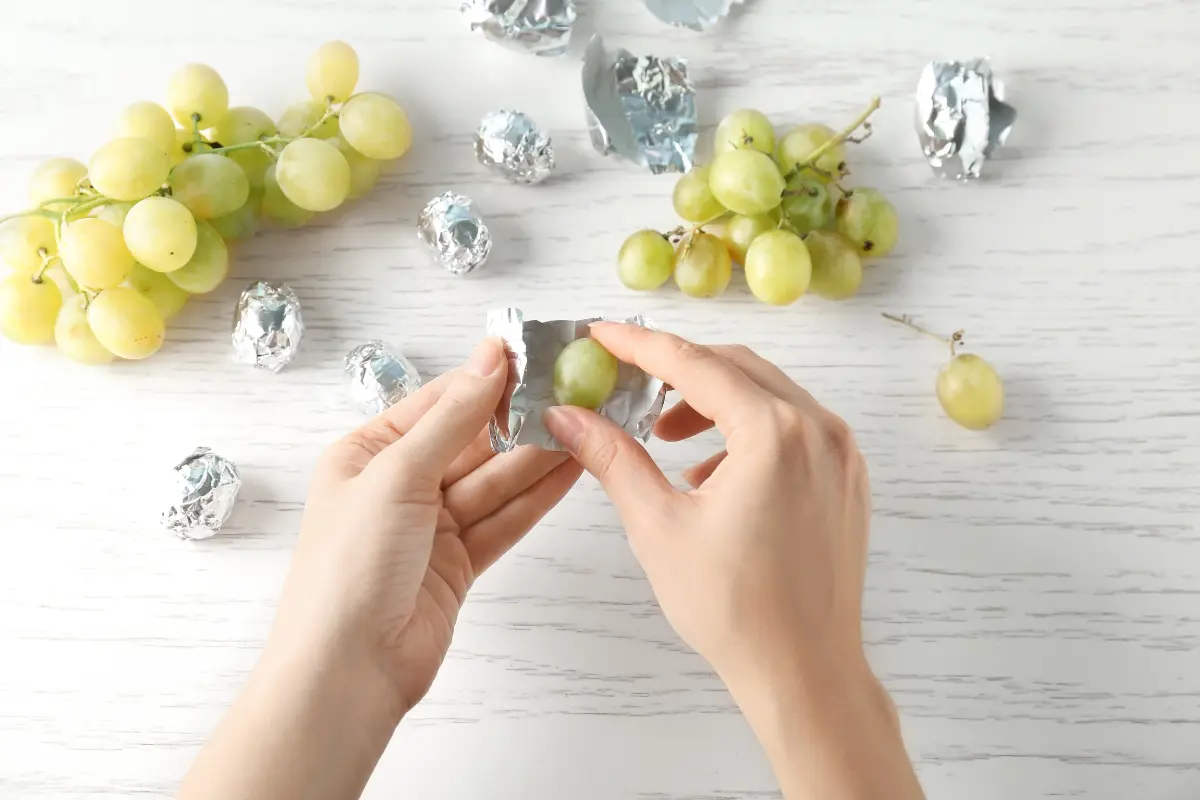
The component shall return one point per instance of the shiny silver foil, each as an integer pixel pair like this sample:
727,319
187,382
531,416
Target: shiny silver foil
456,236
510,144
203,491
533,347
379,378
694,14
961,116
267,325
641,108
540,27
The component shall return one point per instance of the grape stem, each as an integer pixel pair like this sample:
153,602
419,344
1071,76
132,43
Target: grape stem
197,136
847,134
954,340
267,142
47,260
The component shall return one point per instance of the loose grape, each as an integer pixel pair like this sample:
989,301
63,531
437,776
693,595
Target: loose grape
55,178
276,205
185,146
376,126
971,392
126,323
364,172
836,268
645,261
745,128
869,221
209,264
702,266
778,267
693,200
113,213
333,72
800,143
585,374
95,253
298,120
146,120
197,90
809,205
210,185
243,223
129,169
28,310
746,181
158,289
74,337
242,125
741,231
313,174
22,241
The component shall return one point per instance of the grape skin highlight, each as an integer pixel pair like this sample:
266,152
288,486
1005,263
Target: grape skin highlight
971,392
585,374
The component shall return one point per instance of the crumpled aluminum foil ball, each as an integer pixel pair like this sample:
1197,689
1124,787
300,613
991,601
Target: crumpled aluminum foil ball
204,490
378,377
456,236
267,325
509,143
540,27
962,118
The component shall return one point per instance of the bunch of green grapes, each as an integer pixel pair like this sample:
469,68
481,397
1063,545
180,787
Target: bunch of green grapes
784,216
110,251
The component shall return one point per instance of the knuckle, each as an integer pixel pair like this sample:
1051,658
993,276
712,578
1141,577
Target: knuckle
602,455
740,352
689,352
841,437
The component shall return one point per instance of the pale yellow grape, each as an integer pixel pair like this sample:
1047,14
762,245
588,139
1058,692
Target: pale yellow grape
22,241
126,323
585,374
364,172
197,89
703,267
746,182
376,126
333,72
129,169
276,205
160,233
158,289
28,310
185,146
971,392
837,271
313,174
55,178
693,200
209,264
242,125
800,143
869,221
778,268
95,254
298,120
243,223
745,124
645,261
146,120
741,230
114,213
74,337
210,185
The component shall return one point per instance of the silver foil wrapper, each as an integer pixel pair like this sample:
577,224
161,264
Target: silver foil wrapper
540,27
379,377
533,347
511,144
267,325
203,491
961,116
456,236
694,14
641,108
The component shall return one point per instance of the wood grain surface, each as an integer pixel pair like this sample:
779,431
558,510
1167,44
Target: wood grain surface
1034,592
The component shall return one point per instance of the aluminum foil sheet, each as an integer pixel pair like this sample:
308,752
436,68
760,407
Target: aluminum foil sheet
204,489
641,108
540,27
533,346
694,14
379,377
961,116
510,144
456,236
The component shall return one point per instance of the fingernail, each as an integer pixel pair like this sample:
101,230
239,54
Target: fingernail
486,358
565,425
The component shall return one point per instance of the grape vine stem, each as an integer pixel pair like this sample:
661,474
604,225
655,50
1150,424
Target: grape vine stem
954,340
847,132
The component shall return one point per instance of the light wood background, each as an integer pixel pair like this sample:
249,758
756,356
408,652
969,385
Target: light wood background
1034,592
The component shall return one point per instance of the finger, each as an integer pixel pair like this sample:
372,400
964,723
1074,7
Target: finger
767,375
493,536
499,481
697,475
681,422
478,453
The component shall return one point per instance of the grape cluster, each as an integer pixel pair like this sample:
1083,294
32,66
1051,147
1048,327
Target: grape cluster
108,252
784,216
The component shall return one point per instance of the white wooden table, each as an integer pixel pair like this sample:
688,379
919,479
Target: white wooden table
1034,592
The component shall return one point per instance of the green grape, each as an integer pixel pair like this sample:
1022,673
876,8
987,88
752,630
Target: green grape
197,90
276,205
22,241
741,230
702,266
869,221
243,223
364,172
778,268
112,213
186,146
210,185
129,169
376,126
800,143
810,205
95,254
742,125
746,182
645,261
585,374
693,200
313,174
837,270
209,264
160,233
242,125
146,120
158,289
971,392
126,323
55,178
74,337
333,72
28,310
298,120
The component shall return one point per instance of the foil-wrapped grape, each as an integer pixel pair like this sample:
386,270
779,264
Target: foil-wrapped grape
585,374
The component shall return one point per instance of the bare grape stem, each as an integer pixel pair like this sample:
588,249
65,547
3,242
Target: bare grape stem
954,340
